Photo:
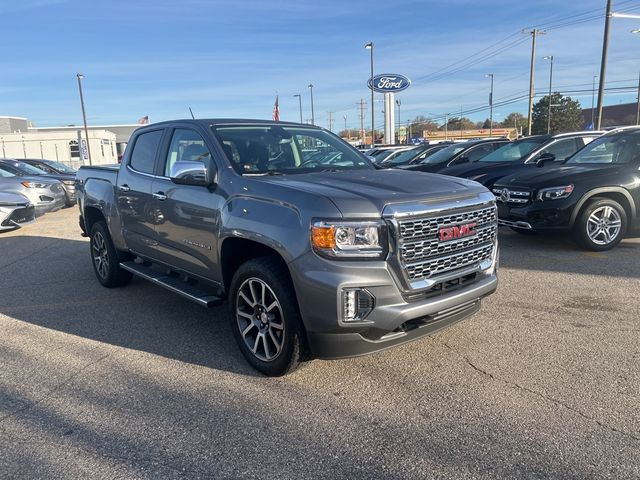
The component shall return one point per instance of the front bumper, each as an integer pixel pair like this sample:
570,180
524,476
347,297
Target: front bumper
12,217
46,206
548,215
394,319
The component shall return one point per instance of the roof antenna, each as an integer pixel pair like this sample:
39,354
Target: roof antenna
191,112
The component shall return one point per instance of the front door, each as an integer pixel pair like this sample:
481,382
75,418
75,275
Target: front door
190,215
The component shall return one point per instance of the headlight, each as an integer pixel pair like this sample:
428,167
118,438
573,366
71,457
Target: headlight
555,193
35,185
349,239
71,183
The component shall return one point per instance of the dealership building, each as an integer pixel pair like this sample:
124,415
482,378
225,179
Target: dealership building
19,138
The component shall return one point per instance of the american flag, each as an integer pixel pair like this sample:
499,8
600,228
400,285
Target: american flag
276,111
144,120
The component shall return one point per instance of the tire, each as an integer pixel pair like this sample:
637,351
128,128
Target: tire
601,225
265,318
523,231
105,258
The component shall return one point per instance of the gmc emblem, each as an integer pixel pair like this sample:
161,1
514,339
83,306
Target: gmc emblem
451,233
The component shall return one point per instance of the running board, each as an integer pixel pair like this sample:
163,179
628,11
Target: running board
174,284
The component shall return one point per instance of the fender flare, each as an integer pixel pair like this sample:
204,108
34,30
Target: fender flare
597,191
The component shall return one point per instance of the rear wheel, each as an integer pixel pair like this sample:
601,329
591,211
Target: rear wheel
265,318
105,258
601,224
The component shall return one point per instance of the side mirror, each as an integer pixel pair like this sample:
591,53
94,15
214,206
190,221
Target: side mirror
545,157
190,173
462,159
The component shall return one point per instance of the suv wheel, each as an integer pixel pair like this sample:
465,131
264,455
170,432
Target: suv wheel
601,225
105,258
265,319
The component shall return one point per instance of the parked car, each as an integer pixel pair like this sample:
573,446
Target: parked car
15,211
411,156
522,155
326,255
594,195
46,194
29,167
457,153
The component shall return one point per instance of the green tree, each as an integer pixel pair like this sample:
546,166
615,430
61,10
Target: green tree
421,123
566,114
457,123
514,120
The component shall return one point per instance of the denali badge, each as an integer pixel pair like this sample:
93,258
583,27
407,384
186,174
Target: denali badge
459,231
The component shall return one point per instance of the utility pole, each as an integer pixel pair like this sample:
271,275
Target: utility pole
313,120
550,58
603,64
362,105
345,122
593,105
638,108
446,125
369,46
534,33
460,121
330,115
79,76
490,105
299,104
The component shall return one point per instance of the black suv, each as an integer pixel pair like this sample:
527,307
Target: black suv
456,154
522,155
595,194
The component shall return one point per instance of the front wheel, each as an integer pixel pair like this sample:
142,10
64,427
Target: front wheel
265,319
601,225
105,259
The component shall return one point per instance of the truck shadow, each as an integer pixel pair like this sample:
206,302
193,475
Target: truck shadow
50,282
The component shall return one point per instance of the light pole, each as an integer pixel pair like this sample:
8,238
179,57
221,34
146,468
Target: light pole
345,122
593,105
398,103
79,76
550,58
490,75
313,121
369,46
299,104
638,108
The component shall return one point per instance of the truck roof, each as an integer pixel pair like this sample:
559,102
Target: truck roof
227,121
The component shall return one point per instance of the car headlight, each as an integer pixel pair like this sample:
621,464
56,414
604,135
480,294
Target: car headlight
35,184
349,239
71,183
555,193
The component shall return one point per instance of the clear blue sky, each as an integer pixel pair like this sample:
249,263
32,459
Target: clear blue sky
228,58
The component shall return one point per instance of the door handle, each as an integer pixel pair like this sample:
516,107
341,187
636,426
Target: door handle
124,188
159,196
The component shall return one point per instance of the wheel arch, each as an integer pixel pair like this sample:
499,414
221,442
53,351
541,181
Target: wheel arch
618,194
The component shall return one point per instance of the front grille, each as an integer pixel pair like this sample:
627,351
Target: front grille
507,195
423,255
20,215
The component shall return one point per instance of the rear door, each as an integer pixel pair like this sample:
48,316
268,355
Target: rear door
190,215
133,193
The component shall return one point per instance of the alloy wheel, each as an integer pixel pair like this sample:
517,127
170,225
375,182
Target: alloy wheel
260,319
604,225
100,254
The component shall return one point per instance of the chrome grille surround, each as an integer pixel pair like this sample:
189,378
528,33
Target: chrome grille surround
420,260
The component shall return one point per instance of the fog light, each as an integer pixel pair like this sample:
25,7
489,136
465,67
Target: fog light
357,303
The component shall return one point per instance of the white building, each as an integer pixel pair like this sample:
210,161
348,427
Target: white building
20,139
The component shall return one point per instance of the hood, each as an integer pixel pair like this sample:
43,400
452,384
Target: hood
365,193
423,167
559,175
12,199
477,168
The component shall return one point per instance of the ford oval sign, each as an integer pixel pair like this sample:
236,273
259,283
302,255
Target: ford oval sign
389,82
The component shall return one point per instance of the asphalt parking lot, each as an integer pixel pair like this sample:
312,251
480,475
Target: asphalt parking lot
140,383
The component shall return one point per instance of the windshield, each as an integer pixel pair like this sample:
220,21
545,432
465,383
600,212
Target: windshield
61,167
5,174
403,157
29,169
274,149
512,152
622,147
444,155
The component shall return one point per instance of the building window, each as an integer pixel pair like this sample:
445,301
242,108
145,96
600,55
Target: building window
74,150
102,149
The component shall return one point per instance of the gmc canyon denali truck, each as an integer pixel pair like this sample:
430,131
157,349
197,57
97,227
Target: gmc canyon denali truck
318,253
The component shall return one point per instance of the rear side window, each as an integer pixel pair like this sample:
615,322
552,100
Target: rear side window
143,157
562,149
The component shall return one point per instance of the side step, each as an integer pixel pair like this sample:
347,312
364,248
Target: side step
174,284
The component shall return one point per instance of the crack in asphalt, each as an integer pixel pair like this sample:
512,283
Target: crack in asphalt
538,394
54,389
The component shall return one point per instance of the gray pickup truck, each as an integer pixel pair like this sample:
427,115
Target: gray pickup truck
319,254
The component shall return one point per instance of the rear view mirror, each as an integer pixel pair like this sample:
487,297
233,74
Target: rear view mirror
545,157
190,173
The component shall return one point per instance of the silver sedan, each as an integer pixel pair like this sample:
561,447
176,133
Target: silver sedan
46,195
15,211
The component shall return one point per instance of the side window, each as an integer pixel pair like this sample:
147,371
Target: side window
478,152
561,149
143,157
186,146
